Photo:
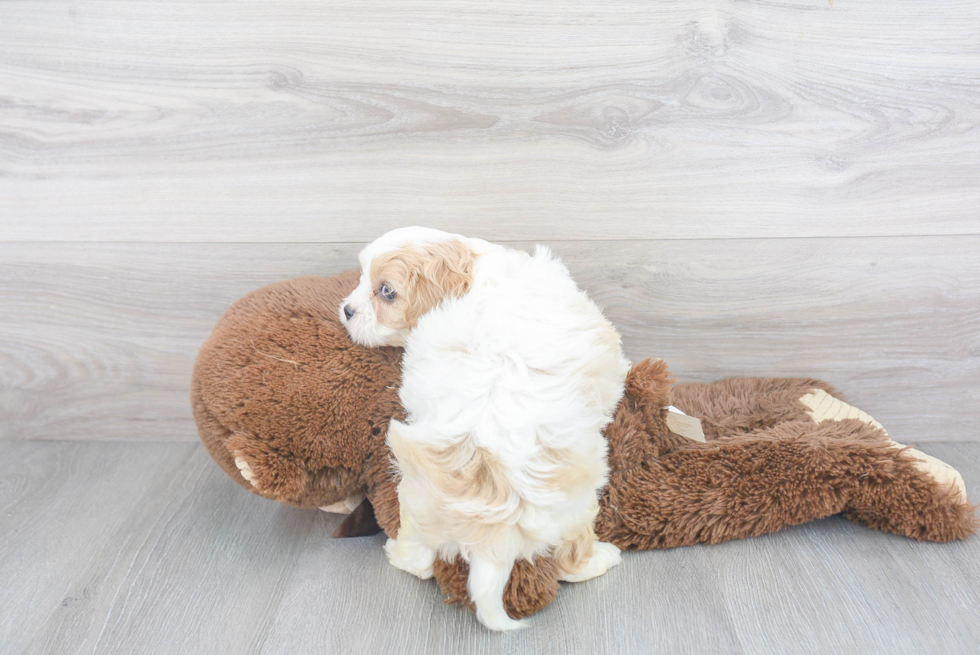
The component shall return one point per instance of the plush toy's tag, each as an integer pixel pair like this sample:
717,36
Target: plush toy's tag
686,426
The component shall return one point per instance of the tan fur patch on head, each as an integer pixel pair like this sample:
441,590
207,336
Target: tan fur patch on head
421,276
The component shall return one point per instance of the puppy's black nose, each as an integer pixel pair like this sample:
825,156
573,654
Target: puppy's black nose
348,311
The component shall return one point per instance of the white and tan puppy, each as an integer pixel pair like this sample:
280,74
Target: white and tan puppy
509,376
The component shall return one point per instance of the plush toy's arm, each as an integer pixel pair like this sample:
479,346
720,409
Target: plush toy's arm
740,405
788,474
381,487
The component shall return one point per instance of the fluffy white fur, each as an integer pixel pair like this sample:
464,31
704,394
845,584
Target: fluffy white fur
507,389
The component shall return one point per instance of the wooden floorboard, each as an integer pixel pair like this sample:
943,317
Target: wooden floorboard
300,120
97,340
135,548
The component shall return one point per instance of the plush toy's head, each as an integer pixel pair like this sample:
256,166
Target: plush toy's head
317,406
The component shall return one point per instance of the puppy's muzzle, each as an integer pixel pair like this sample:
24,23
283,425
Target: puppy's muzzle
348,311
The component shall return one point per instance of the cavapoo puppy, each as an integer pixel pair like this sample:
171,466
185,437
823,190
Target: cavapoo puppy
509,376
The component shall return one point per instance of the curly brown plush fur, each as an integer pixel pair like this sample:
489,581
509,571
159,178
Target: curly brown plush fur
281,389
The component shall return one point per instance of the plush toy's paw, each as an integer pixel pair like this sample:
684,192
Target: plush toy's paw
345,506
944,474
411,556
270,473
604,557
245,469
821,406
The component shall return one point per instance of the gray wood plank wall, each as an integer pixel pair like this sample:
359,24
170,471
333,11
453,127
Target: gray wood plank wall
747,187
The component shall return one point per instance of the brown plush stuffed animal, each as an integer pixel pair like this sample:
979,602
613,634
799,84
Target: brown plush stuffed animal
294,411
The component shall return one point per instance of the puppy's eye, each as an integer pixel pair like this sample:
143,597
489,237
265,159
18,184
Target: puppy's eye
387,292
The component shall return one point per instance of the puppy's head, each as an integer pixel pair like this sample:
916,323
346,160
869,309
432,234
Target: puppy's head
404,274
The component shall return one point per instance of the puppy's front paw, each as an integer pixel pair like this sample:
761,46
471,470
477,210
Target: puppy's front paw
411,556
604,557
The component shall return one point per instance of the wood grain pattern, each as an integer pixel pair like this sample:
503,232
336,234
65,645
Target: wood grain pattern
142,548
97,340
307,121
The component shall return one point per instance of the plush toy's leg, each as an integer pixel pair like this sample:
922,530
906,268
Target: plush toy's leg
769,479
928,502
824,407
741,405
919,496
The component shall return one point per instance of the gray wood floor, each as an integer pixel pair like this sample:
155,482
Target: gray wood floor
148,548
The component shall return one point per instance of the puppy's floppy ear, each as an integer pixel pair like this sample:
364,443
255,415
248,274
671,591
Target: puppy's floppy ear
446,270
449,268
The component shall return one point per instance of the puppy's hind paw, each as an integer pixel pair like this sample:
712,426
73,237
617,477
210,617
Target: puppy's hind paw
604,557
411,557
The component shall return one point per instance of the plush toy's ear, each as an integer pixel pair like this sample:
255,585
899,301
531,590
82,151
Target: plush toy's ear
359,523
648,385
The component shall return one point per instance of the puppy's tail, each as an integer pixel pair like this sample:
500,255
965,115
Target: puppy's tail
486,586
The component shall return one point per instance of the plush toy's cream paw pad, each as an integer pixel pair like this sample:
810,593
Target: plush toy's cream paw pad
604,557
938,470
345,506
821,406
245,470
411,556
